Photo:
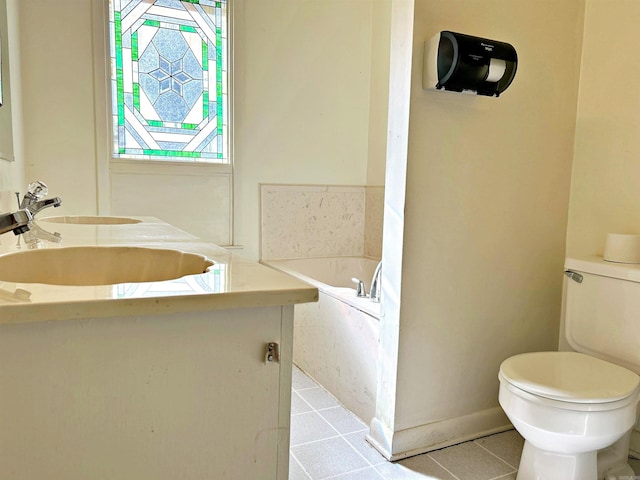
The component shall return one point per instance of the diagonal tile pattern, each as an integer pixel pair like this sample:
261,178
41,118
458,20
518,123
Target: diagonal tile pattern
328,442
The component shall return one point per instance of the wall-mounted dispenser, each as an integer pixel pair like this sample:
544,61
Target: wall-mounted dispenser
463,63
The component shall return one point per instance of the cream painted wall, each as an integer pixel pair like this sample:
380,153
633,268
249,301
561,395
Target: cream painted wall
58,99
605,193
487,191
379,97
303,76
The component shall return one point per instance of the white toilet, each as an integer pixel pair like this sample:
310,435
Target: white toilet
576,410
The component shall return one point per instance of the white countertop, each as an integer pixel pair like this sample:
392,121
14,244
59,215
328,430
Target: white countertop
233,282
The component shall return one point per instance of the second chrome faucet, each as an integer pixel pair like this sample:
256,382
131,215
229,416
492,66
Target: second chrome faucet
376,285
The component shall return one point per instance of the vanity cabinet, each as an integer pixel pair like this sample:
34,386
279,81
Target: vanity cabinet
185,395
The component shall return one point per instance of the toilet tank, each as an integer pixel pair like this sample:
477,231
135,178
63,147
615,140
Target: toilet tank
602,315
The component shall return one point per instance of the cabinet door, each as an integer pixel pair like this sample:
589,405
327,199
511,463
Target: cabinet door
180,396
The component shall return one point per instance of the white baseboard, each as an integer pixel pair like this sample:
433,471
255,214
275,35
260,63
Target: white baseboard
433,436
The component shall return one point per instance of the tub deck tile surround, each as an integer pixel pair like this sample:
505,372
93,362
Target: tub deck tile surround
335,454
301,221
374,215
311,221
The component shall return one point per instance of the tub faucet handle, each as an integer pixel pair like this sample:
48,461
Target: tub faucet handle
360,290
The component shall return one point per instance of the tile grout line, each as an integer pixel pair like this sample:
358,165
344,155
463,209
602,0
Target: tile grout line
443,467
369,464
503,476
343,435
356,450
340,435
302,398
501,459
350,471
363,429
315,441
301,413
334,399
325,421
307,403
300,465
304,389
338,406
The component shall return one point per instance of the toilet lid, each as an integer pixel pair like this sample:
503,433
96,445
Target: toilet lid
569,377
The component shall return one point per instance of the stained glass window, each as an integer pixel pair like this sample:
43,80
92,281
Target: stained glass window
169,79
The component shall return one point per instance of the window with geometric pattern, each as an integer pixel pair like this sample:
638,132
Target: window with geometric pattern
169,85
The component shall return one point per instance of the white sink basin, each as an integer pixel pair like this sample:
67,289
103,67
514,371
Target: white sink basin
91,220
99,265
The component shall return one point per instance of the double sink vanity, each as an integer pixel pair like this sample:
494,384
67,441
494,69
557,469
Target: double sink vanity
130,349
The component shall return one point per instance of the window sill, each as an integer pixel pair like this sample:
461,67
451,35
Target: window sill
123,165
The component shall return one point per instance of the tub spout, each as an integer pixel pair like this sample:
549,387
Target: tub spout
376,286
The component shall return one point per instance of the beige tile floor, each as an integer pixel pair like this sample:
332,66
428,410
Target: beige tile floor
328,442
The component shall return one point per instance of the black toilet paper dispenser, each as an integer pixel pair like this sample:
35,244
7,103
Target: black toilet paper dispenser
467,64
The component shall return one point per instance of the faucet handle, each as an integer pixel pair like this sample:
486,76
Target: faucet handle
37,189
360,290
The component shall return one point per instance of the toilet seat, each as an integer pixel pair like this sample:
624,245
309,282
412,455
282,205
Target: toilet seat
571,406
571,380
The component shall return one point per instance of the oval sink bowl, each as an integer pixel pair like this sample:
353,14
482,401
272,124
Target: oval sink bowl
99,265
91,220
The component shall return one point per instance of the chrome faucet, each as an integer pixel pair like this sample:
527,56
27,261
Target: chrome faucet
33,200
17,222
20,221
376,283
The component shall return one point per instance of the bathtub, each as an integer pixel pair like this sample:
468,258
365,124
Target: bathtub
336,340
